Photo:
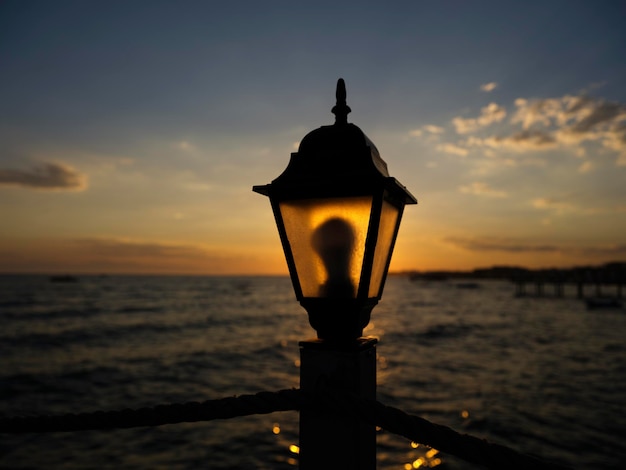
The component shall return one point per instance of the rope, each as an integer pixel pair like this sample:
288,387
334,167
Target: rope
469,448
223,408
466,447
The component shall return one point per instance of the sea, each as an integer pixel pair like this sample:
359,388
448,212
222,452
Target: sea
544,376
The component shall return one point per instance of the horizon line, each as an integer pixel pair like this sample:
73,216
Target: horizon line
195,274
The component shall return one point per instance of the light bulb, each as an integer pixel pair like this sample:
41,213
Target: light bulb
334,243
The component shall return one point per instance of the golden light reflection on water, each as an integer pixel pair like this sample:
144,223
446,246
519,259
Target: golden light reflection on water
421,455
427,460
416,464
283,441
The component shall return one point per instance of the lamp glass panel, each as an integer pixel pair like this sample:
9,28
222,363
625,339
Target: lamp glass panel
327,239
386,234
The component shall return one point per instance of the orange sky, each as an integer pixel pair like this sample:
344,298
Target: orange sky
130,143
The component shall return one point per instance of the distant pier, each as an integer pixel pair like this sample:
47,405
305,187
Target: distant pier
583,283
603,285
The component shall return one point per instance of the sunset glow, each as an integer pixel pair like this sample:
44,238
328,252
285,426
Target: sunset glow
131,134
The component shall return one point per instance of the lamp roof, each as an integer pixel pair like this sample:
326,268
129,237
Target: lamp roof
343,148
339,158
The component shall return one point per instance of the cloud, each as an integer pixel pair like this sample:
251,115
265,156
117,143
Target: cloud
482,189
433,129
490,114
569,205
588,114
511,245
127,249
430,128
500,244
185,145
47,176
487,87
453,149
567,121
552,204
615,140
522,141
572,120
525,140
537,111
614,250
583,125
118,255
128,255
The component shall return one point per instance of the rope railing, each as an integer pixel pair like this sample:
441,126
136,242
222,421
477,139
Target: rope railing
415,428
223,408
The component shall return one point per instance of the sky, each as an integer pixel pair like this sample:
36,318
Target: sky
131,133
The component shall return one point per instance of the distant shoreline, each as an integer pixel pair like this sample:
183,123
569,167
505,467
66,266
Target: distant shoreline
613,270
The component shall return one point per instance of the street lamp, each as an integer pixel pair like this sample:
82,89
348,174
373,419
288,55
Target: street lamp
338,212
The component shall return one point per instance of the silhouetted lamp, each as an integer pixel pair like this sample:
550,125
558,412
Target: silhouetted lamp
338,212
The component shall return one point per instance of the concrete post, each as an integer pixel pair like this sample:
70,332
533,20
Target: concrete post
327,441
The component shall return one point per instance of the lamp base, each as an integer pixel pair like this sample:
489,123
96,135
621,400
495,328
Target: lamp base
338,320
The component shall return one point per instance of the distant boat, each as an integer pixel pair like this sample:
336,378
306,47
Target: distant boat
467,285
603,302
63,278
428,277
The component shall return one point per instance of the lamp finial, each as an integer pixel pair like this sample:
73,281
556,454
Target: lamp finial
341,109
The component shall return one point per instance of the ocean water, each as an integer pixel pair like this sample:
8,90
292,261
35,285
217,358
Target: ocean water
543,376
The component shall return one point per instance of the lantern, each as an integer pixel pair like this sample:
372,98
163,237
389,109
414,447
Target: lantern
338,212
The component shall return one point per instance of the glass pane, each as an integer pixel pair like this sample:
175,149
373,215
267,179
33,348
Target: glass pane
386,233
327,238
